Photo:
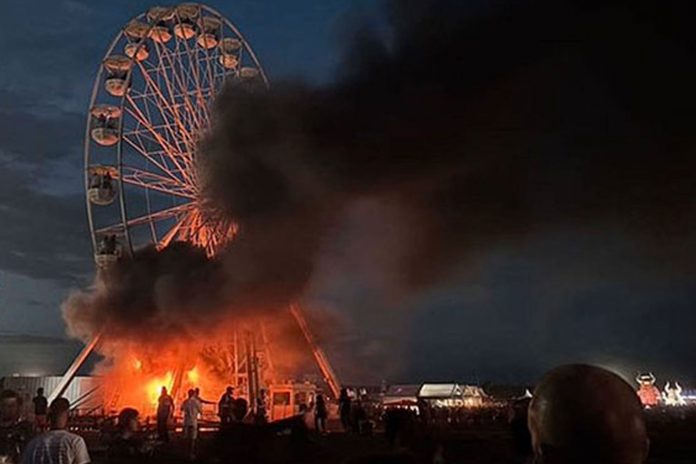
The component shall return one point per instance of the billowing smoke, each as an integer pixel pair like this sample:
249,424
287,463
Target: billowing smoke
472,122
480,123
145,294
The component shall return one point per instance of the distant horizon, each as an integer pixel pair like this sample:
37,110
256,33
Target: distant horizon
62,360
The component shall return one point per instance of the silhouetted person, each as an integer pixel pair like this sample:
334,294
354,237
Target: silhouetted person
260,416
240,409
585,414
424,411
165,412
359,417
191,408
128,445
320,414
15,432
226,407
57,446
344,409
40,409
517,419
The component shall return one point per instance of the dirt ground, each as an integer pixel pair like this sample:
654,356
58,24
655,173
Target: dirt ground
672,442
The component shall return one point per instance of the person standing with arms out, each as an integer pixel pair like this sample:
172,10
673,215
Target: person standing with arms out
320,414
57,446
225,406
192,408
197,393
40,409
165,412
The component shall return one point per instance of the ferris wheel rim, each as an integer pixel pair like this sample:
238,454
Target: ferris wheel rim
123,226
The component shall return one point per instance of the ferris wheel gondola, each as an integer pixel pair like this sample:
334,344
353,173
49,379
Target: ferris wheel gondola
150,106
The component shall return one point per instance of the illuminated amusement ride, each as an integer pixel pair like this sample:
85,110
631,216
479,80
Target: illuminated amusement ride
150,106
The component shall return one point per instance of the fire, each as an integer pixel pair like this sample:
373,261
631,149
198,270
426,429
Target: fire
154,386
193,376
138,371
135,370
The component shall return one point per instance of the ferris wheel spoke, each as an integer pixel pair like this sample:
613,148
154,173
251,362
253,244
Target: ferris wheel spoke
157,216
171,151
201,102
215,240
148,99
163,132
189,80
164,52
153,95
190,88
142,139
172,233
150,157
208,74
194,230
176,131
165,106
151,181
206,234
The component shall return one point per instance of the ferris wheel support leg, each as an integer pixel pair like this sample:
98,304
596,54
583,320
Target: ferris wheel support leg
74,368
319,355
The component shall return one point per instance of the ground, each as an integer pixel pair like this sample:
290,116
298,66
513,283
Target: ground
672,443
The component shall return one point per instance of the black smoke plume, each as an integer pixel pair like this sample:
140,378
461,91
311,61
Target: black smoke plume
487,123
481,122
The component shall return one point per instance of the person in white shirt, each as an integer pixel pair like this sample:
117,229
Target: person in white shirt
192,408
57,446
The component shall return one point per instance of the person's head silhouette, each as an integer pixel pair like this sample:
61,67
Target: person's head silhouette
586,414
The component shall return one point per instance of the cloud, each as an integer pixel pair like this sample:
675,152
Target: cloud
33,138
44,236
47,73
565,296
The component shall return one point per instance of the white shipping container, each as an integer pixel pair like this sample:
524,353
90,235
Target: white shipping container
84,392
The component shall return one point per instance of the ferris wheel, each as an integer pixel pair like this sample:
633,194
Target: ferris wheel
149,108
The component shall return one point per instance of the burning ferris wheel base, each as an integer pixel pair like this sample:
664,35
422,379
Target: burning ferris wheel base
240,359
246,357
149,108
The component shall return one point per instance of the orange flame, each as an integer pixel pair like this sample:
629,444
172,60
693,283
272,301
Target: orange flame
193,376
154,386
134,371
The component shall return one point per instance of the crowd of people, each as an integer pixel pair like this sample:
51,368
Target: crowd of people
578,414
46,440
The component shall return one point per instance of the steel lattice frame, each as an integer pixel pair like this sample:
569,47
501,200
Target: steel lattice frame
163,114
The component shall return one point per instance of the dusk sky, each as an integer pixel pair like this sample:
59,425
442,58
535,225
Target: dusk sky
565,292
